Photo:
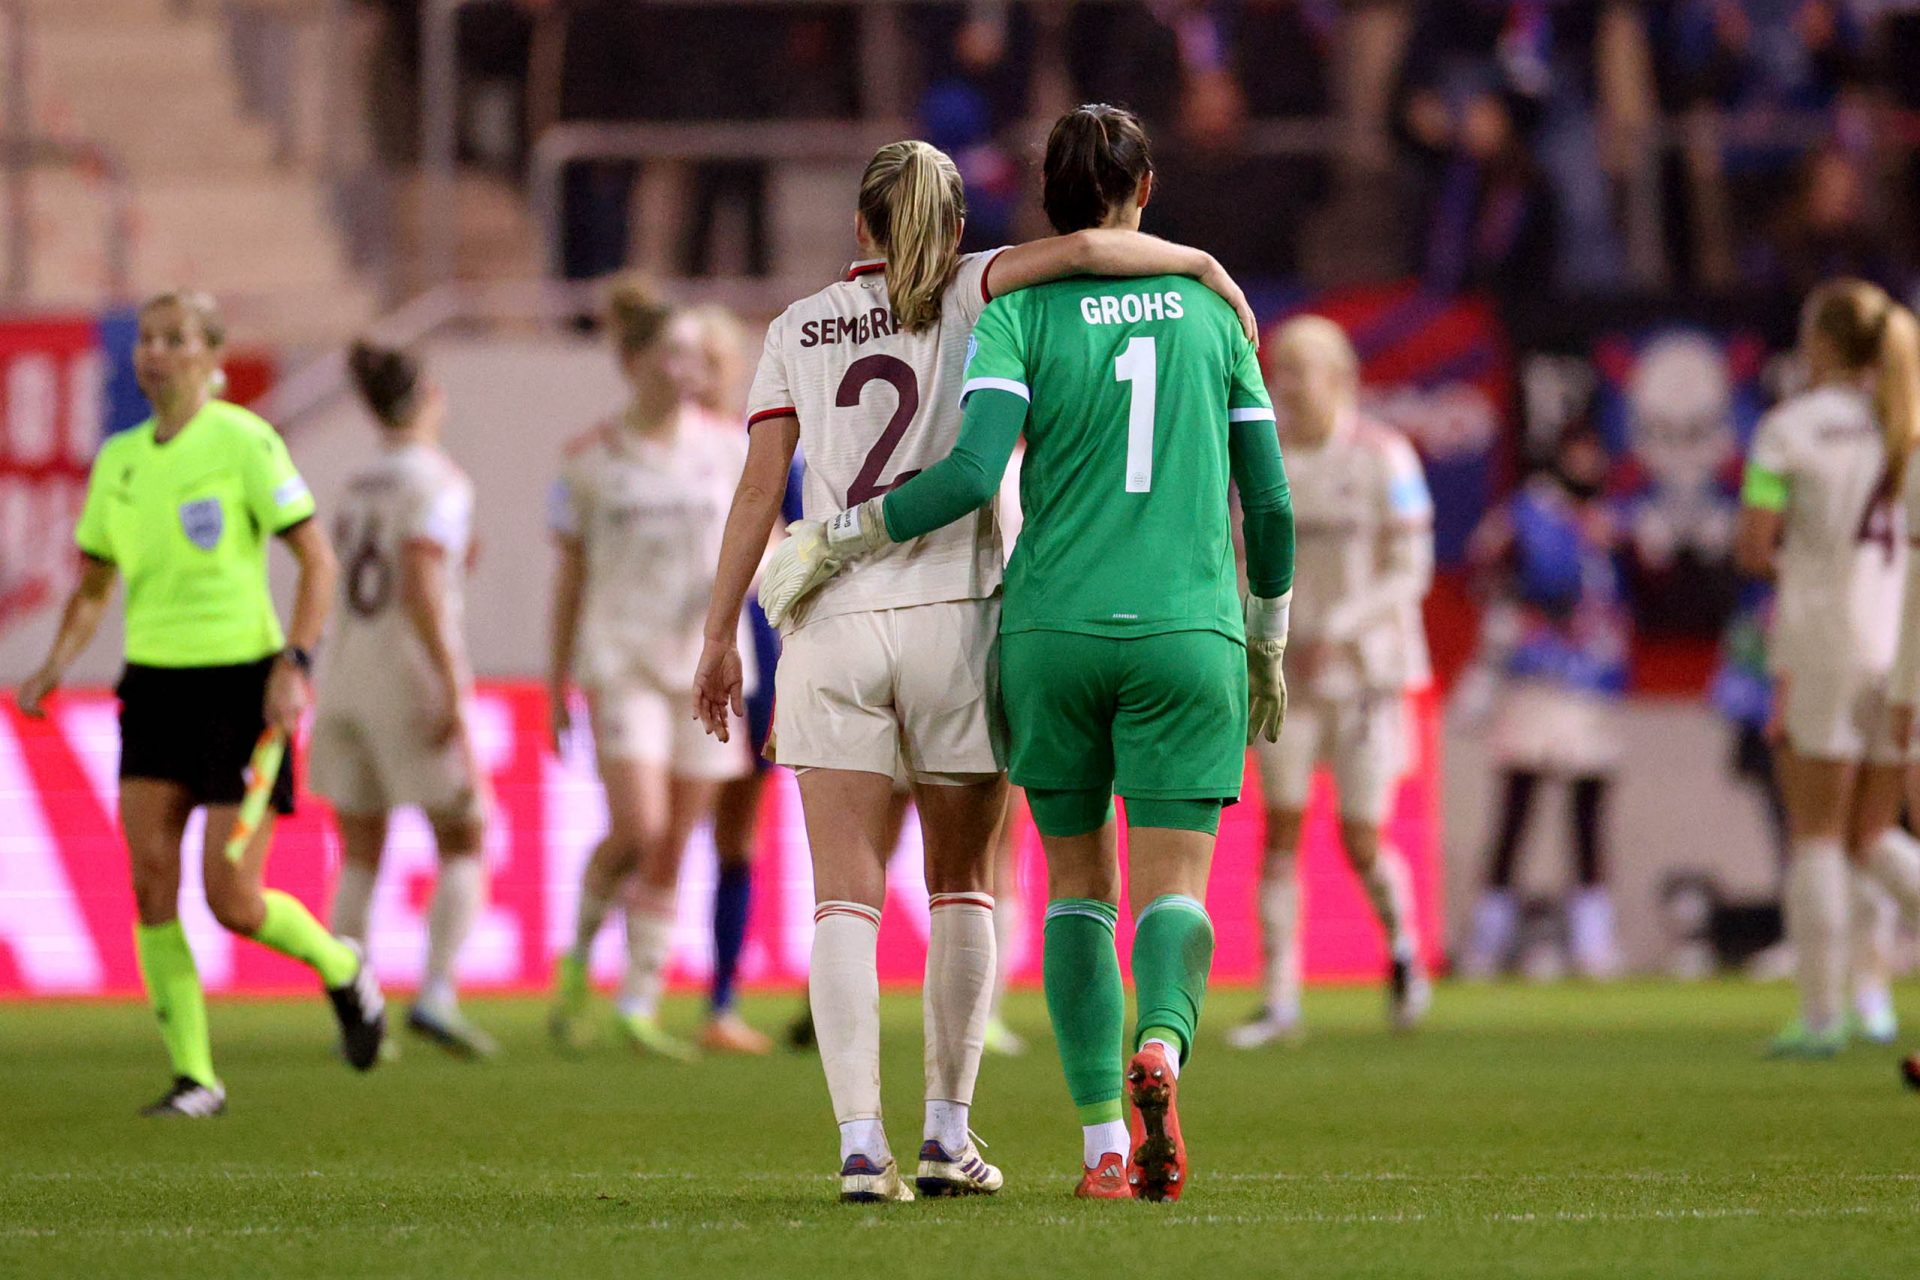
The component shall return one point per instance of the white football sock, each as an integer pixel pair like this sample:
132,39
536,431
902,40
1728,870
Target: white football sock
352,901
649,934
587,919
458,894
843,989
1872,918
1107,1138
1009,919
947,1125
957,998
1894,863
1173,1053
1280,935
1389,887
1816,902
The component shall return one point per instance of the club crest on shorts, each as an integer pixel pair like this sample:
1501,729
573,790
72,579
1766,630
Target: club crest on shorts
202,521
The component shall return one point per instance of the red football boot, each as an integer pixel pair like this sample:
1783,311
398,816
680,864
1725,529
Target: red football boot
1157,1169
1106,1180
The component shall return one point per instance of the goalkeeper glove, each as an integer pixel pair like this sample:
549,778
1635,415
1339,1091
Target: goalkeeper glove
814,552
1266,649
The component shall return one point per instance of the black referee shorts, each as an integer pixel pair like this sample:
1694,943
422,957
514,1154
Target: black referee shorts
197,726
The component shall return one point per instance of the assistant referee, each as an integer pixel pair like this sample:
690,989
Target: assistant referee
182,506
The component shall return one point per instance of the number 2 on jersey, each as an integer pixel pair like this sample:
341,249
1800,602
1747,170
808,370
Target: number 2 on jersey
1137,365
899,375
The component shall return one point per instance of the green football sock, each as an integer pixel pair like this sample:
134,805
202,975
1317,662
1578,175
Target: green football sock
173,988
1087,1003
1172,954
290,929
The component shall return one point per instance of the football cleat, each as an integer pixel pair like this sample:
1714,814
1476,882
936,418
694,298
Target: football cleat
362,1013
964,1174
800,1035
452,1032
1874,1019
1003,1040
1106,1180
864,1182
190,1099
1157,1169
644,1033
729,1033
1264,1028
1409,995
566,1021
1800,1041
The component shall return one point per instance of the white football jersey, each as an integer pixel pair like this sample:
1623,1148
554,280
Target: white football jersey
877,405
374,660
1012,518
1843,547
1352,495
650,513
1903,687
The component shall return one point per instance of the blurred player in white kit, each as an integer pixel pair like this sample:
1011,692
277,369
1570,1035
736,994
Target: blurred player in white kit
1364,523
1821,514
637,515
390,725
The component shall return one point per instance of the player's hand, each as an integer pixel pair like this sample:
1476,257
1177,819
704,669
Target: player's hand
1217,279
814,552
448,725
288,697
1900,724
719,687
559,719
31,696
1266,656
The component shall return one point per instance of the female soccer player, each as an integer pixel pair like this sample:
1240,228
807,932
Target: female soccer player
637,515
183,506
894,661
1127,660
1365,524
390,728
1820,514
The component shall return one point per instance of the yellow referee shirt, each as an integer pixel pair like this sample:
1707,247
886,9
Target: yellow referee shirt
187,524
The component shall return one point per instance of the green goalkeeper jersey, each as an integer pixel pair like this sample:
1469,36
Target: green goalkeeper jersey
1134,388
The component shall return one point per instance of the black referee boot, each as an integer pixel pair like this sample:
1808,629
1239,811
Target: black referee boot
362,1013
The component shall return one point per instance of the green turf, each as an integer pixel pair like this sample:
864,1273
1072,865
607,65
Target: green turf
1620,1132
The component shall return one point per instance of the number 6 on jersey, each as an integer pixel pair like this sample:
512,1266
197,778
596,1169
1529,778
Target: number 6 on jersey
1136,365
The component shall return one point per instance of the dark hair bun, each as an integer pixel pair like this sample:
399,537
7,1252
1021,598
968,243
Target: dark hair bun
1096,157
386,377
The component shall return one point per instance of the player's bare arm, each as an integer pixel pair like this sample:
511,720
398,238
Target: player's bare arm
1109,251
423,597
569,592
718,682
86,606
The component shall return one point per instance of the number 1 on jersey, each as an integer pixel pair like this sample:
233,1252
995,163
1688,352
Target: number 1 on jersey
1136,365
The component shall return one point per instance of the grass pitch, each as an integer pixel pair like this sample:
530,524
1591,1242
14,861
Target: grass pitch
1621,1132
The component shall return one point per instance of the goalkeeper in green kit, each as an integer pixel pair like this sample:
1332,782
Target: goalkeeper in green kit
1129,663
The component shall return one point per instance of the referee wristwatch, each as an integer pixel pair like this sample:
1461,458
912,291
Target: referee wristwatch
302,659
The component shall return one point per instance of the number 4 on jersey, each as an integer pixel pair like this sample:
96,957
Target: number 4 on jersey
1137,365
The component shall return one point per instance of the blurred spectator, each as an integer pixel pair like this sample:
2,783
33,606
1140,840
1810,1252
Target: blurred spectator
1500,89
1775,67
616,64
1826,231
1491,219
978,65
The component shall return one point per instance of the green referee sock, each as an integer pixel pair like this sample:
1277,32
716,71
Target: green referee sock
173,989
1087,1003
290,929
1172,955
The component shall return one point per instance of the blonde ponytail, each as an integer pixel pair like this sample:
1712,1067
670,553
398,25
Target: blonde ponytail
913,203
1896,389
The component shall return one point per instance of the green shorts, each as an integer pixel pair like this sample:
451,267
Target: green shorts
1158,717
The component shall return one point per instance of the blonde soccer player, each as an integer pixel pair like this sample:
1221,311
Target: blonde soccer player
895,660
183,507
1820,514
637,515
391,726
1364,561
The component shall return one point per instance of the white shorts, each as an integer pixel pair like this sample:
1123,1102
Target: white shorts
867,691
1833,713
636,721
1363,740
364,767
1542,727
